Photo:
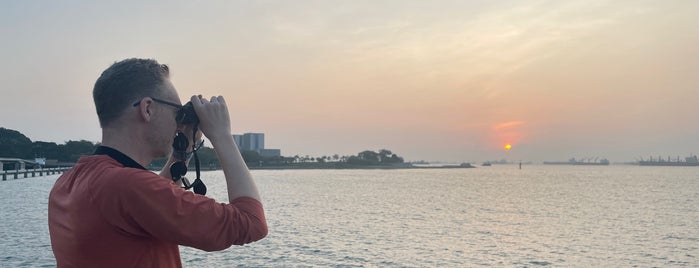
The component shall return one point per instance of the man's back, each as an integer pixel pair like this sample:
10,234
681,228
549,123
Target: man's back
78,226
102,214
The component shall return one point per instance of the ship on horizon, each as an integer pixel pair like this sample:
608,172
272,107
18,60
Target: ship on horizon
689,161
584,162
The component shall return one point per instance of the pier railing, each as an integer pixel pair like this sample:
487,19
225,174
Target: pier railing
26,173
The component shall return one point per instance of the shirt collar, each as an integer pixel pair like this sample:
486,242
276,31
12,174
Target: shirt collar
118,156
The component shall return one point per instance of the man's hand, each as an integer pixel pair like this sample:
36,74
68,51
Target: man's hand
214,120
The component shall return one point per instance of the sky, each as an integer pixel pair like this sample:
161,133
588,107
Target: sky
430,80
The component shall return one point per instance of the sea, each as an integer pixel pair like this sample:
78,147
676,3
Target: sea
498,216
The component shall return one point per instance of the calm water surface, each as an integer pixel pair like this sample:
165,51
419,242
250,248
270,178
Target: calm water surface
555,216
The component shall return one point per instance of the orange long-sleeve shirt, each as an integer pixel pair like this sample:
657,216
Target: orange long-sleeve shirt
103,214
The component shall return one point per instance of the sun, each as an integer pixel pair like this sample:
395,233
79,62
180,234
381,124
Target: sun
508,147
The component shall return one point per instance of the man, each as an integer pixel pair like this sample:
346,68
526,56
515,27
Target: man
109,211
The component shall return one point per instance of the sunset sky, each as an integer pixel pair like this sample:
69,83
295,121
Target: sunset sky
433,80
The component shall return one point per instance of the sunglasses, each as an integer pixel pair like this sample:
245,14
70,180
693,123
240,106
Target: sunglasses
160,101
180,113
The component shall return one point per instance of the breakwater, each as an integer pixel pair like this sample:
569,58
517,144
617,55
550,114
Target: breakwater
27,173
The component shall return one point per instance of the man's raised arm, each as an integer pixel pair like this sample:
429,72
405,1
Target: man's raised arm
216,126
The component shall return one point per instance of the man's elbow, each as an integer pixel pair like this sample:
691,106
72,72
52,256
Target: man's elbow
221,244
255,232
262,231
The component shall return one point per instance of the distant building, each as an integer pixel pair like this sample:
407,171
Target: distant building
255,142
40,161
250,141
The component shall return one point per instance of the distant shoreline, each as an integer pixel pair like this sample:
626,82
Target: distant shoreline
334,166
359,167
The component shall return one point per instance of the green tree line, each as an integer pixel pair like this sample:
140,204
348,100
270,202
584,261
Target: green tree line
371,158
14,144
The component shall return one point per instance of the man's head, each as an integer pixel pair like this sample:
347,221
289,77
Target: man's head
125,82
130,94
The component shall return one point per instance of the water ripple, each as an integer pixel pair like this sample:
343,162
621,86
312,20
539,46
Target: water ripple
614,216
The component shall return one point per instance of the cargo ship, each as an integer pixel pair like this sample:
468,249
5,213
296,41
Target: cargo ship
688,162
586,162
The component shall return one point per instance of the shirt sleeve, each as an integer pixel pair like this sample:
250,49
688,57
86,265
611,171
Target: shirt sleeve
145,204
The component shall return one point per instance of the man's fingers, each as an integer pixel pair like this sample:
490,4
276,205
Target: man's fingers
196,101
199,101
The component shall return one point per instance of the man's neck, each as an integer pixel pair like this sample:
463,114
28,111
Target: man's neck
127,144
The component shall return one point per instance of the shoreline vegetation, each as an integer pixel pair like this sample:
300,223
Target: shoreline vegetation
306,166
14,144
345,166
384,159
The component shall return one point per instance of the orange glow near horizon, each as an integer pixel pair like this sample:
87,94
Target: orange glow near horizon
507,133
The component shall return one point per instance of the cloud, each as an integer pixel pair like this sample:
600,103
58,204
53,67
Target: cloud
507,125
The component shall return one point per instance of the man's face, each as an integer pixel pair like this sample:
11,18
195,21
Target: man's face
165,125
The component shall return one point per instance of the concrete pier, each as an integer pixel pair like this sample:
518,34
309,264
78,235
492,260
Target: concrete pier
26,168
30,173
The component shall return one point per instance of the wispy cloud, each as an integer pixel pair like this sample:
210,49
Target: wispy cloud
508,125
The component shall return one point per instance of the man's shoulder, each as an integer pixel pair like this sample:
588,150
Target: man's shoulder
111,180
111,171
96,162
130,174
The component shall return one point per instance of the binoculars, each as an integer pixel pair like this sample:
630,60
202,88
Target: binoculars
186,115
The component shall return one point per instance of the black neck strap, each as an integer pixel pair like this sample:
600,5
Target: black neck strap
118,156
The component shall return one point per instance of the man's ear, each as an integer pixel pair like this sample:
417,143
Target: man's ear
145,110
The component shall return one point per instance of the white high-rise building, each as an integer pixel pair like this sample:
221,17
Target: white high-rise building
254,142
